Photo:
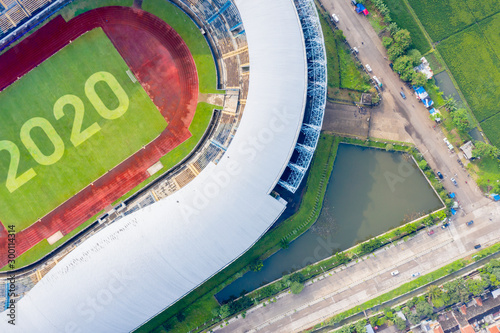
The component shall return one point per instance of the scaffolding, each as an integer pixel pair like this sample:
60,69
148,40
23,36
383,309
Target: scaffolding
316,95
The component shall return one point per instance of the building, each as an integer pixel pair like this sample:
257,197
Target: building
466,149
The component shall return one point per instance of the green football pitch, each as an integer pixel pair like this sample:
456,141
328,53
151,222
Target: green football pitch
65,124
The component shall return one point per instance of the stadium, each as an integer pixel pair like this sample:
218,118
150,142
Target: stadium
185,117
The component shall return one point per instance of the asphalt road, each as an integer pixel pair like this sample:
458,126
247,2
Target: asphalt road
358,283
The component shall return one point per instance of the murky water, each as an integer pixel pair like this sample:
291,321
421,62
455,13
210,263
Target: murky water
370,191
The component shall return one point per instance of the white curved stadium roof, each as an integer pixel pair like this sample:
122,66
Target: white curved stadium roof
145,262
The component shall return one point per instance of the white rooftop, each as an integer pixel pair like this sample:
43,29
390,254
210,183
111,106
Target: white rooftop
138,266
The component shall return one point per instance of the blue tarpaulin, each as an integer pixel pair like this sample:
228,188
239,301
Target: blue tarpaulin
453,212
452,195
495,197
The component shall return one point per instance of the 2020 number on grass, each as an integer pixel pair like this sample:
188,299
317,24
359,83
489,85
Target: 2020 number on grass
78,136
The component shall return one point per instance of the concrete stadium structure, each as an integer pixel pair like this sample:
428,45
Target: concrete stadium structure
135,268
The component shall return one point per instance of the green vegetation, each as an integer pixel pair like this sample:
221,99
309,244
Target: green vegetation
350,75
333,65
400,13
193,38
487,173
479,81
481,8
442,18
105,141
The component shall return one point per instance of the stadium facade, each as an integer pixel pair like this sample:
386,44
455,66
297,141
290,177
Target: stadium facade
135,268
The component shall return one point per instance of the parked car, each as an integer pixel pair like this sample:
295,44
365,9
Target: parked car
431,232
402,94
478,246
335,18
415,274
368,68
440,175
394,273
391,65
454,181
471,222
355,50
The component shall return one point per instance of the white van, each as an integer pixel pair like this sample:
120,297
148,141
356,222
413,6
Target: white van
335,18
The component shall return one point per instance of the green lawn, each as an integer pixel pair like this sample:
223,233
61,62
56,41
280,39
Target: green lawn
350,75
491,31
192,36
332,58
442,18
482,8
476,68
400,13
60,165
491,128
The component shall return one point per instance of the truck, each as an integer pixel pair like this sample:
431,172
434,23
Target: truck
377,80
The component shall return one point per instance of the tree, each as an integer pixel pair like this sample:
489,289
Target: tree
450,103
216,311
284,243
482,149
413,318
404,66
393,28
256,265
415,55
419,79
296,287
400,323
180,317
424,309
433,293
224,311
402,38
389,147
386,41
360,326
394,52
460,120
341,258
476,287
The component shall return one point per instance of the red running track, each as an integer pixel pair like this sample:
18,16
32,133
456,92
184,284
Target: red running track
162,63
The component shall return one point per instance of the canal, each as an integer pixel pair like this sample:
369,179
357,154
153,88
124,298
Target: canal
370,191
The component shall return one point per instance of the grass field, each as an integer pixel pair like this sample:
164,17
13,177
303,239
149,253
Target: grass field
442,18
332,59
400,13
482,8
81,6
491,128
476,68
59,156
192,37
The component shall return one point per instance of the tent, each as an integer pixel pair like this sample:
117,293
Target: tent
451,195
453,211
428,102
361,9
421,93
432,111
495,197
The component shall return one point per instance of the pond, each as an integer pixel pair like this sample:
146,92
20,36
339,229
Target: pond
443,81
370,191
